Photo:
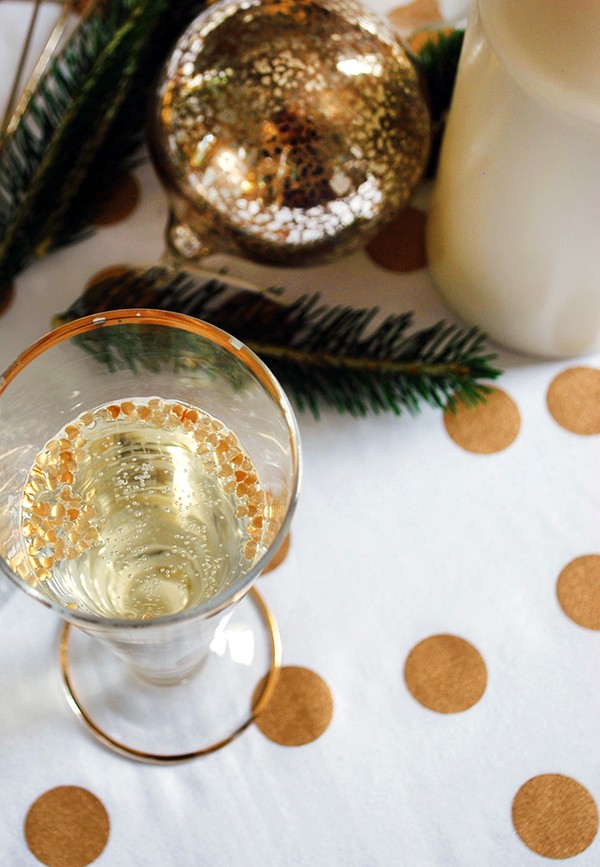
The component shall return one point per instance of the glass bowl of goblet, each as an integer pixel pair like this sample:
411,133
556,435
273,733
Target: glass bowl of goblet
149,470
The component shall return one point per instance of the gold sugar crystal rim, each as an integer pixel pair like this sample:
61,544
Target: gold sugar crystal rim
59,526
236,348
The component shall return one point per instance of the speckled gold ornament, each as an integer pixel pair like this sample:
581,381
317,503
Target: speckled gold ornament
287,131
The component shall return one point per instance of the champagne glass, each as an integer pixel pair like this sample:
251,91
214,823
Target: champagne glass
149,470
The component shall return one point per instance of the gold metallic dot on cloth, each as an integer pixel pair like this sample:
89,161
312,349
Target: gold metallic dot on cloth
67,827
7,298
574,400
300,710
124,201
445,673
578,590
419,39
279,556
415,14
400,244
80,7
487,428
109,273
555,816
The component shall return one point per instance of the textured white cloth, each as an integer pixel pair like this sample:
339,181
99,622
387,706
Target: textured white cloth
400,534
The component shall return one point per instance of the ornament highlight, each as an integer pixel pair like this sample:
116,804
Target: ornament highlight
288,131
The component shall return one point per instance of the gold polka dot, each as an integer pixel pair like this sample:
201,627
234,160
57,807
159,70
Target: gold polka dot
415,14
80,6
400,244
7,297
578,590
486,428
574,400
445,673
109,273
299,711
555,816
419,39
121,204
279,556
67,827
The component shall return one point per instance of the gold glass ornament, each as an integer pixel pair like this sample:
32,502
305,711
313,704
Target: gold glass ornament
286,131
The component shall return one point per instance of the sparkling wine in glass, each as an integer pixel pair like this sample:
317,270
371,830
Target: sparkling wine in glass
148,472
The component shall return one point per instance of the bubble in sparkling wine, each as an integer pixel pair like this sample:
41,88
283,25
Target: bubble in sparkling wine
141,509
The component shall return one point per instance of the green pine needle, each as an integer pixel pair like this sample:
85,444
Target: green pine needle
81,127
438,61
85,123
324,356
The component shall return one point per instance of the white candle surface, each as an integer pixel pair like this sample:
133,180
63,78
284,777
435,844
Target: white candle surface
514,226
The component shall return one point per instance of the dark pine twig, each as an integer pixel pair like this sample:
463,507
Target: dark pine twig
82,127
323,355
438,61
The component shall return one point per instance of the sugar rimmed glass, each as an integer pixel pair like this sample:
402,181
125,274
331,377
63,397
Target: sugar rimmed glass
168,683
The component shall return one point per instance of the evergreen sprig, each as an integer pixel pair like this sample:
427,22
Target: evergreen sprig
85,122
438,61
81,127
323,355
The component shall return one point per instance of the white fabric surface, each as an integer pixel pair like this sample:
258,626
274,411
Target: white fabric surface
399,534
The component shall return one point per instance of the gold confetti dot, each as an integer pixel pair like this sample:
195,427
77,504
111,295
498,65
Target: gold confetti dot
445,673
555,816
110,273
279,556
420,38
81,6
574,400
486,428
67,827
7,298
415,14
578,590
400,244
299,711
121,205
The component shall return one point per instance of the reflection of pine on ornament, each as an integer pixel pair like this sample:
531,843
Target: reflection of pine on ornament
287,132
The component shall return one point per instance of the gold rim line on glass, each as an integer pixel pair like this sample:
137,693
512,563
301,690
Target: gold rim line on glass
167,318
172,758
147,316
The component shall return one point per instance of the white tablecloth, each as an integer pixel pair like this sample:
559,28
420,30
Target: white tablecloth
401,534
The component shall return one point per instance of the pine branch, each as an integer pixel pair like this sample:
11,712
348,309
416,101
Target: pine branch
86,120
323,355
80,128
120,150
438,61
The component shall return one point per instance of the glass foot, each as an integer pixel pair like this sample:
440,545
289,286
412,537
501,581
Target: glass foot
168,724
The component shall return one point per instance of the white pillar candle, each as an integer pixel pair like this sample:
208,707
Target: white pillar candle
514,225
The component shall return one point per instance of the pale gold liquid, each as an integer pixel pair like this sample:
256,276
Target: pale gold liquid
165,533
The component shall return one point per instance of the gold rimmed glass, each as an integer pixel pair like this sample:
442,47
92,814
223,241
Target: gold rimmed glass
149,470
